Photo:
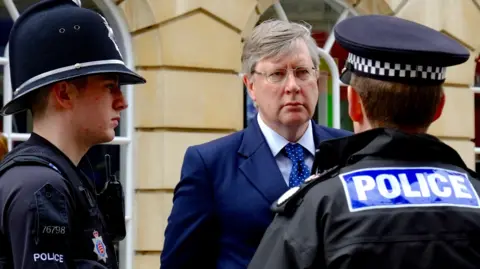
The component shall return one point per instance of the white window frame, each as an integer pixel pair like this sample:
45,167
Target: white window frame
116,21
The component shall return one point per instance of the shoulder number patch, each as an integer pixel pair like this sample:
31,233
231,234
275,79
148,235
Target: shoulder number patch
407,187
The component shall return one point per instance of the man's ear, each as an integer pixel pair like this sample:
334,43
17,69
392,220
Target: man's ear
355,110
64,93
440,107
250,87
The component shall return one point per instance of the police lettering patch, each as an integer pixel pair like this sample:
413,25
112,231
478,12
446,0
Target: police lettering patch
407,187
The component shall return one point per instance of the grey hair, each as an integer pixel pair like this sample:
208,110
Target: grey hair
274,38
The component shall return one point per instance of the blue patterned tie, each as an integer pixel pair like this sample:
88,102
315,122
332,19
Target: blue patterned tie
300,170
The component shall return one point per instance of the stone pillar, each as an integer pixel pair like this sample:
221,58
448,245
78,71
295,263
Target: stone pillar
189,52
458,19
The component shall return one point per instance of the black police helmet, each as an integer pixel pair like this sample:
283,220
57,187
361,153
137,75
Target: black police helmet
57,40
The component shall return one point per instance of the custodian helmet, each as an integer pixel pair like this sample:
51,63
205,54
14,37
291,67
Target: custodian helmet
56,40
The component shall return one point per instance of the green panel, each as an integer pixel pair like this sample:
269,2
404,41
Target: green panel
329,97
345,121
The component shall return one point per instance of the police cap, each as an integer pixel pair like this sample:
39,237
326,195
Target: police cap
393,49
56,40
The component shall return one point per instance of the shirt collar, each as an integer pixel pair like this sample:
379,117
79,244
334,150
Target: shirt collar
277,142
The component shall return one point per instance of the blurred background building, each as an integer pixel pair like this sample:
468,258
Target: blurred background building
189,51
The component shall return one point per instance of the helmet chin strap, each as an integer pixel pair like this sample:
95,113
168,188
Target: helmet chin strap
78,2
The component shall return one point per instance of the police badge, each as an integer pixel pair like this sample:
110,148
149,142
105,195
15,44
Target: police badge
99,247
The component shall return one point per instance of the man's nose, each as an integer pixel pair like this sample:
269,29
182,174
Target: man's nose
291,82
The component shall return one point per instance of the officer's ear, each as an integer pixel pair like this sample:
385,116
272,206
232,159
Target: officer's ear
355,107
64,93
440,107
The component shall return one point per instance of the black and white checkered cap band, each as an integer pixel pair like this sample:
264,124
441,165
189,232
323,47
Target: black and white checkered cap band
396,70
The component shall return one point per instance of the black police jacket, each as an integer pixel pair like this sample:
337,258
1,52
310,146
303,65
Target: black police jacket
48,213
380,199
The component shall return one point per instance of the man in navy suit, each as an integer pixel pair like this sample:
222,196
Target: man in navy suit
221,206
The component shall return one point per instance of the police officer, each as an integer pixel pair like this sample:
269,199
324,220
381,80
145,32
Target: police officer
390,196
67,70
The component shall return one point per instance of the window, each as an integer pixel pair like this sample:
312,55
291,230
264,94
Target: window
322,16
18,127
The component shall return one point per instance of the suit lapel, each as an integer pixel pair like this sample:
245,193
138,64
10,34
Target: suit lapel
259,166
319,134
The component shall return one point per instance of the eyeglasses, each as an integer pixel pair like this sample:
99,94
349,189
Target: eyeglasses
280,75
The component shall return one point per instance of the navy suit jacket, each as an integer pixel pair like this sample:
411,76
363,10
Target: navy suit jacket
221,206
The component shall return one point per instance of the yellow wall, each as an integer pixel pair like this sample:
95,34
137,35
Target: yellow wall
189,51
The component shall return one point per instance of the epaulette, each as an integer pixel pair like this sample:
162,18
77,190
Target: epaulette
291,199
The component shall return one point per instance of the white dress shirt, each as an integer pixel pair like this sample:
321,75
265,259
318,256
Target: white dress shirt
277,142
